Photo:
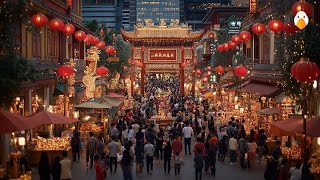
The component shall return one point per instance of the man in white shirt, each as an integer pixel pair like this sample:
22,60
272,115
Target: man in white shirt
233,147
187,134
66,166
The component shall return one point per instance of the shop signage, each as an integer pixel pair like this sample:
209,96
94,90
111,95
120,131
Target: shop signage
163,55
253,6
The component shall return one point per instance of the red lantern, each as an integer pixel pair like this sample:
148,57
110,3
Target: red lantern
258,28
95,40
302,6
225,46
188,62
89,39
65,71
39,20
209,73
235,39
56,24
219,69
140,64
198,72
205,79
110,50
240,71
102,71
209,67
244,35
305,71
220,48
68,29
183,65
231,45
289,28
276,25
101,44
211,35
80,35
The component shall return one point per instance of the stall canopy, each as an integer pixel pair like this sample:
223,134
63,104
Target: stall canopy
115,95
260,89
208,94
295,125
269,111
46,118
11,122
93,105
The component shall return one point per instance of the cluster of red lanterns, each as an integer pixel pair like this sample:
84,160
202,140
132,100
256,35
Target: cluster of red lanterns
219,69
65,71
40,20
102,71
240,71
305,71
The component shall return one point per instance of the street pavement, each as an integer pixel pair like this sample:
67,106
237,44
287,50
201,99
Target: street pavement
224,172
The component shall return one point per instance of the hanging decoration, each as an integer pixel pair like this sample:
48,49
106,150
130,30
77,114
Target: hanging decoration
198,72
301,20
290,28
102,71
95,40
101,44
110,50
219,69
89,39
183,65
258,28
68,29
276,26
302,6
209,68
240,71
225,47
231,45
80,35
56,24
39,20
244,35
305,70
220,48
65,70
235,39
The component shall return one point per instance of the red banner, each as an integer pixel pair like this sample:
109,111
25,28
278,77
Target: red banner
163,55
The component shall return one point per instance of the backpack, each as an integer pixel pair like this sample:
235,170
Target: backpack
92,146
126,158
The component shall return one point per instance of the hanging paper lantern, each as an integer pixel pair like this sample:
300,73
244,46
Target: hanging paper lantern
219,69
240,71
68,28
220,48
110,50
231,45
39,20
80,35
209,67
56,24
305,71
289,28
244,35
198,72
65,71
101,44
211,35
235,39
276,25
205,79
209,73
302,6
183,65
95,40
89,38
102,71
258,28
225,46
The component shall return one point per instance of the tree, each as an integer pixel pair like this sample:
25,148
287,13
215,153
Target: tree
93,26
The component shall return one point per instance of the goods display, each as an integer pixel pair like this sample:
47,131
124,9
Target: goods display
292,153
90,127
56,144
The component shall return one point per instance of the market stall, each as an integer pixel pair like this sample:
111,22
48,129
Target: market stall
160,120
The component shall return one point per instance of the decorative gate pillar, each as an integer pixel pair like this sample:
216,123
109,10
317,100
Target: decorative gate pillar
182,72
194,79
143,72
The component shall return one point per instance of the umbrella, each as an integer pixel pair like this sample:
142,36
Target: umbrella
269,111
295,125
45,118
93,105
115,95
11,122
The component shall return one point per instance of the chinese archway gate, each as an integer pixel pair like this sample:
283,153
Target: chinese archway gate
162,48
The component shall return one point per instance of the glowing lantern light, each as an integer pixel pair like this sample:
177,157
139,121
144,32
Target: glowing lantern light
68,29
276,25
56,24
39,20
80,35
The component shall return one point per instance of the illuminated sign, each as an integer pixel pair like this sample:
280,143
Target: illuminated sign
164,55
253,6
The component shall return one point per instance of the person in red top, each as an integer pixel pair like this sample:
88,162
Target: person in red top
100,171
198,146
176,146
214,140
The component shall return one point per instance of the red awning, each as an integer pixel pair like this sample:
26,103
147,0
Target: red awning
115,95
260,89
269,111
46,118
11,122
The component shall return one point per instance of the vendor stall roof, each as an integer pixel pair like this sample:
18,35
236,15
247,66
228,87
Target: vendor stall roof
260,89
46,118
269,111
93,105
115,95
11,122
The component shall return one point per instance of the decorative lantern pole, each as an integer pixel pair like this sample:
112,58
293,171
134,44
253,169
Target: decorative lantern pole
65,71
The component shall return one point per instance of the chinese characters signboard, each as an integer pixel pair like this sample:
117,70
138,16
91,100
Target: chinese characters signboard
253,6
163,55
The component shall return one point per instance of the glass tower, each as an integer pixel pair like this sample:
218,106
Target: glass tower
157,9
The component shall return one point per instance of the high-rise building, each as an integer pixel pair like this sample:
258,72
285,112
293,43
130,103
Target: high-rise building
157,9
193,11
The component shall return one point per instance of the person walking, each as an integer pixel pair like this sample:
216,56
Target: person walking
212,155
75,146
243,149
56,169
44,167
177,147
233,147
91,149
100,171
199,146
222,149
198,164
159,145
206,156
66,167
149,152
252,147
187,134
113,153
177,164
127,162
139,153
167,152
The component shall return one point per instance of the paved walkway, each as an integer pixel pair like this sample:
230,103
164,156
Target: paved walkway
224,172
